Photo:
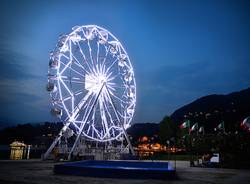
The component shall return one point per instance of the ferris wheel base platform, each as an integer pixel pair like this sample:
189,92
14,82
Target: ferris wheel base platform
117,169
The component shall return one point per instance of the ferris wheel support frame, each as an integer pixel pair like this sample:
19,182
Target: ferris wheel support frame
76,141
87,117
46,155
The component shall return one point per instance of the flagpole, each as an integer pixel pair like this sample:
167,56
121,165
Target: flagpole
197,137
197,130
224,128
190,145
185,125
189,128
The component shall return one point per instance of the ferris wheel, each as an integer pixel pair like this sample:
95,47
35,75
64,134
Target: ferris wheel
91,84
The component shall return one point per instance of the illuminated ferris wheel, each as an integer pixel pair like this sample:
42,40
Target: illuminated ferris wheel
91,83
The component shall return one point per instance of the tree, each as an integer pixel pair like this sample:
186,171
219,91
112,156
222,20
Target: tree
167,129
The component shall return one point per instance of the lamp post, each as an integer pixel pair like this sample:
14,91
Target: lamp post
28,152
168,142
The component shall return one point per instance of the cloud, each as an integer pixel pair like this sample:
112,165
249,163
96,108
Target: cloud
14,65
23,100
17,81
22,92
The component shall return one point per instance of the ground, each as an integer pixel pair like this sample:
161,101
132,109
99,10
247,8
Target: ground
36,172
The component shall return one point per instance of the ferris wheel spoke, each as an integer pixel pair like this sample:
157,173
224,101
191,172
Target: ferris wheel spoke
125,92
56,95
77,63
66,66
73,105
113,77
110,87
59,105
64,56
120,114
87,106
72,80
113,132
77,82
88,130
82,103
103,117
93,115
64,107
84,57
90,54
97,133
67,98
117,86
115,61
77,108
112,109
109,115
112,105
78,92
70,54
76,72
118,98
106,55
103,67
102,121
63,77
82,67
92,132
97,54
66,87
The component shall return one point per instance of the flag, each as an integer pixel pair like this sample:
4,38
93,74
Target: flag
194,127
201,129
185,124
242,125
221,126
246,124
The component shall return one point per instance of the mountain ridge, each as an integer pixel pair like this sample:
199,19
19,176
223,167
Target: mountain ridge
231,108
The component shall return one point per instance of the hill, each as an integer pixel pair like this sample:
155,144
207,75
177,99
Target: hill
212,109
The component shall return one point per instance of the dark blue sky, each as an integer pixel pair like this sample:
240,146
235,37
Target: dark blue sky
180,50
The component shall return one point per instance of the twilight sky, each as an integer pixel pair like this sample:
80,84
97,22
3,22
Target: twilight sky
181,50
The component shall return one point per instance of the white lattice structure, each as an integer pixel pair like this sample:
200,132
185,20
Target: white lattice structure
92,85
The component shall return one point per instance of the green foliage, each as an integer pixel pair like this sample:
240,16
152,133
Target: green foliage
167,129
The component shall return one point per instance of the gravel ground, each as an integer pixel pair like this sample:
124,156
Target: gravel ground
36,171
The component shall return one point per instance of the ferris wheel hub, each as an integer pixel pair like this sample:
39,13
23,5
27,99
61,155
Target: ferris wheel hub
94,82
